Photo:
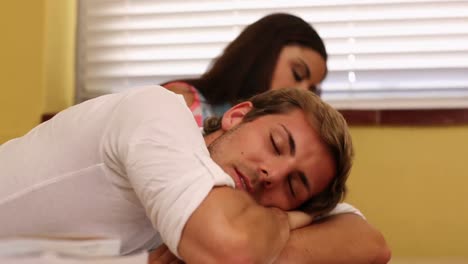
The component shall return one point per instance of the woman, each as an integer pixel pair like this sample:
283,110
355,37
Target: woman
277,51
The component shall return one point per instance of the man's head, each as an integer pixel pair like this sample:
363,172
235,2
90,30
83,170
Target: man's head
286,147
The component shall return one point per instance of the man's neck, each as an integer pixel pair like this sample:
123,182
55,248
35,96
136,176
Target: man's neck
212,136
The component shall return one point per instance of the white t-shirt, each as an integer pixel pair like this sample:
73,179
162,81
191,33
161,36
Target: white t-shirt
131,166
101,168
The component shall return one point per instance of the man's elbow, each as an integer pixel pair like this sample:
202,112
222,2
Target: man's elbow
383,256
245,251
232,246
382,252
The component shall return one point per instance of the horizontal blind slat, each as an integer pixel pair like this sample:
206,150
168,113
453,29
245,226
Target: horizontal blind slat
328,31
116,8
388,46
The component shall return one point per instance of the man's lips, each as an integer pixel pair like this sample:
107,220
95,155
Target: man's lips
242,182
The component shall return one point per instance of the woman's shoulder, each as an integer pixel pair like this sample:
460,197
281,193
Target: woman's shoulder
178,86
193,98
185,89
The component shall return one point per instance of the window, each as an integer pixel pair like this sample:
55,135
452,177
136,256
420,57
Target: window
386,54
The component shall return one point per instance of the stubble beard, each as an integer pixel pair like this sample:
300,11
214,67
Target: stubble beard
217,149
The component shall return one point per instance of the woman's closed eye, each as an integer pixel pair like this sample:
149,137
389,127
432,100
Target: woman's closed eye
297,76
300,71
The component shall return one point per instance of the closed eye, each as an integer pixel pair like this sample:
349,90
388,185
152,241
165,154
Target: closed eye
297,76
273,143
290,186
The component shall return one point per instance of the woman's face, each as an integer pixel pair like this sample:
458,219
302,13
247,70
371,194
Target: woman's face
298,66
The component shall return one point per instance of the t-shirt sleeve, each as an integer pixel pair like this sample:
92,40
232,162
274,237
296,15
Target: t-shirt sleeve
343,208
166,161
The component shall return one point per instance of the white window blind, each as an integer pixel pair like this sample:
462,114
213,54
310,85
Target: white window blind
382,54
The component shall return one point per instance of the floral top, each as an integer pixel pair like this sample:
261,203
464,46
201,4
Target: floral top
200,108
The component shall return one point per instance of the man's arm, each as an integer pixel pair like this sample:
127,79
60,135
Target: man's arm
339,239
343,238
230,227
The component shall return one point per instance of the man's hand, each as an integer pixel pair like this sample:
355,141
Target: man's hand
299,219
338,239
162,255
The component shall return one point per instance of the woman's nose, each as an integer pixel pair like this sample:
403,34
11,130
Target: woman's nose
303,85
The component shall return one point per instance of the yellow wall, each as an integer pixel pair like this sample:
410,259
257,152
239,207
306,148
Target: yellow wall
36,62
21,64
412,184
59,55
409,182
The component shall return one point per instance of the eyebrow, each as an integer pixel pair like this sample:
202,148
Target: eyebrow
292,148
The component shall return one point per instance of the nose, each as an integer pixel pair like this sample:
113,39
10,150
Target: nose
303,85
264,180
274,174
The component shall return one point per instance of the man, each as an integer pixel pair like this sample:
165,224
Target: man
134,166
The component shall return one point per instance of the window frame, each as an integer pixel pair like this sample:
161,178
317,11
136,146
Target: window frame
421,111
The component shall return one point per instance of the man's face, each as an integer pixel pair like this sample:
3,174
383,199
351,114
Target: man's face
278,159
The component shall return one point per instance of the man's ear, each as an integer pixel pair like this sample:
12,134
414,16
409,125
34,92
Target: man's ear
235,115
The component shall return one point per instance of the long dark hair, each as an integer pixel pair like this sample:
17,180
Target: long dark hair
246,66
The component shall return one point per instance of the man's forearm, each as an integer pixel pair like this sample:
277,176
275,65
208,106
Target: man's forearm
230,227
344,238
